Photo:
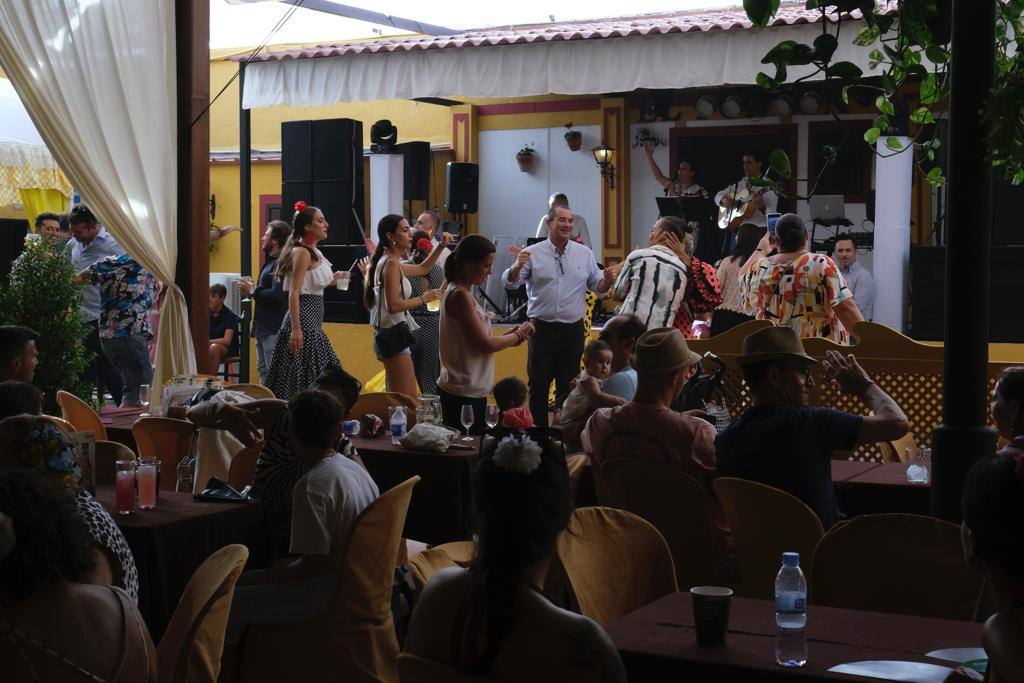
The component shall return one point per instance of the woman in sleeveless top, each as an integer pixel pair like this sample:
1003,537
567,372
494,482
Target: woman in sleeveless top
491,620
302,350
390,300
425,354
467,347
52,627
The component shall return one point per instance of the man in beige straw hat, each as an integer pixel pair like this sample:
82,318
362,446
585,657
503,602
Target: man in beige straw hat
647,427
780,440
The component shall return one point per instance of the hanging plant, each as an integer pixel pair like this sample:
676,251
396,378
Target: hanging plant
646,136
524,157
573,138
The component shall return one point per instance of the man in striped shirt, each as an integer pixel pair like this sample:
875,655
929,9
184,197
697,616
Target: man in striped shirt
652,281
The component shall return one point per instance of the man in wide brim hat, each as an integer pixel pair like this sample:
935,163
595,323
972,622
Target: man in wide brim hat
781,441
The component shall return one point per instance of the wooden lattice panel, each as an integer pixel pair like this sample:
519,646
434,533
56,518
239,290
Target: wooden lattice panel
910,372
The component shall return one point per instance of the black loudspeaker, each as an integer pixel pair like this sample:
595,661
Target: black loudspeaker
1007,227
928,294
345,306
416,169
322,165
296,152
462,187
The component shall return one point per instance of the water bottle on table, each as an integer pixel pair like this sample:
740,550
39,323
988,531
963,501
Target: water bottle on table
397,423
790,612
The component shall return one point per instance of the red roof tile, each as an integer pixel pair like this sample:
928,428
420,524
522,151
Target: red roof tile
722,19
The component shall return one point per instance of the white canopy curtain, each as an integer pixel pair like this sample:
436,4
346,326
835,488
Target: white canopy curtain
568,67
98,80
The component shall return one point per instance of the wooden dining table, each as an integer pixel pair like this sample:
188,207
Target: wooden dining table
441,505
658,642
170,541
118,422
882,488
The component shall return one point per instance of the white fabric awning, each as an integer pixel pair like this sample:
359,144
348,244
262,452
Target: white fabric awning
572,67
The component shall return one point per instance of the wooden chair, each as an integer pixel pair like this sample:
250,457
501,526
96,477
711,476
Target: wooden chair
613,562
61,423
896,451
108,453
766,522
192,645
426,563
921,571
242,470
253,391
355,640
379,402
679,507
226,364
413,669
577,464
80,414
165,438
200,378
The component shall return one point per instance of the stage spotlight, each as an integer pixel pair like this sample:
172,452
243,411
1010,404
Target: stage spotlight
811,103
706,107
733,107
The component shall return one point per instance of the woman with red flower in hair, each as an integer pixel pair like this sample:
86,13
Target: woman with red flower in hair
303,350
426,353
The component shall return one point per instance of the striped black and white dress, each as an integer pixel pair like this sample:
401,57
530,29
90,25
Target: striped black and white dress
426,354
651,285
289,373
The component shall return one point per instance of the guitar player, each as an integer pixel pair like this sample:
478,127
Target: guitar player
759,201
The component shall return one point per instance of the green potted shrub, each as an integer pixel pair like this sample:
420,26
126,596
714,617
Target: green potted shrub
40,294
524,157
573,138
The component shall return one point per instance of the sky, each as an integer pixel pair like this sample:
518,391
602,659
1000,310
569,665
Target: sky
247,24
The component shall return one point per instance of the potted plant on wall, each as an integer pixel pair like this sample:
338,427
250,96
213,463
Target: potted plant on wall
645,137
573,138
524,157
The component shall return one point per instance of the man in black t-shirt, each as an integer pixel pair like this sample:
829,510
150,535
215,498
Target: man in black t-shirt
780,440
223,328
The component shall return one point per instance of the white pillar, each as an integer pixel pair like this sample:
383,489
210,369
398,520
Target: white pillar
893,176
387,187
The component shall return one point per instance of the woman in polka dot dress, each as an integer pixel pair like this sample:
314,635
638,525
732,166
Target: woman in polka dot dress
302,350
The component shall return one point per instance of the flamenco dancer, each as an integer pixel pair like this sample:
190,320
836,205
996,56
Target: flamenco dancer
302,350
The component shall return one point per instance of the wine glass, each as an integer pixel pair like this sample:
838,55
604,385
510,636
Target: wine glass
144,398
491,416
467,419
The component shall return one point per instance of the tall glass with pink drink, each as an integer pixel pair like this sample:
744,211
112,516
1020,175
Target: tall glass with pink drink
146,476
124,486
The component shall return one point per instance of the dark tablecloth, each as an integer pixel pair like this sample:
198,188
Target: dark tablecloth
881,489
170,541
658,642
441,506
119,425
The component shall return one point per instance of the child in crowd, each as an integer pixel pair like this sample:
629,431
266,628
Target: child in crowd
509,393
588,394
325,504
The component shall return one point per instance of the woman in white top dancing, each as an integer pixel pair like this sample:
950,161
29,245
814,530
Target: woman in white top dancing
302,350
388,297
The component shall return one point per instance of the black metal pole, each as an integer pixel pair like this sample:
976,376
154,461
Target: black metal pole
245,214
963,437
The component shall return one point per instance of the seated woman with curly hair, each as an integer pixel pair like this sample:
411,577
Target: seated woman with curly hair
491,619
34,442
56,627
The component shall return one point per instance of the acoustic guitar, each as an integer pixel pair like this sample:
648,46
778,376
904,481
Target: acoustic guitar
741,212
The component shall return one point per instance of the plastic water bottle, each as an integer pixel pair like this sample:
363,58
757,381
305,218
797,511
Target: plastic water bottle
790,612
398,423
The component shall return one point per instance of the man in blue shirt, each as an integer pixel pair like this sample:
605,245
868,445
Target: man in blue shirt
271,301
557,273
92,244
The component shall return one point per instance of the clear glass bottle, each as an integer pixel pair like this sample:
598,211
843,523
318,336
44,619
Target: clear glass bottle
790,612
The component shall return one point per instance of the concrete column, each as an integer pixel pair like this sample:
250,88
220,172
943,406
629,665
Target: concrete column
893,177
387,187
